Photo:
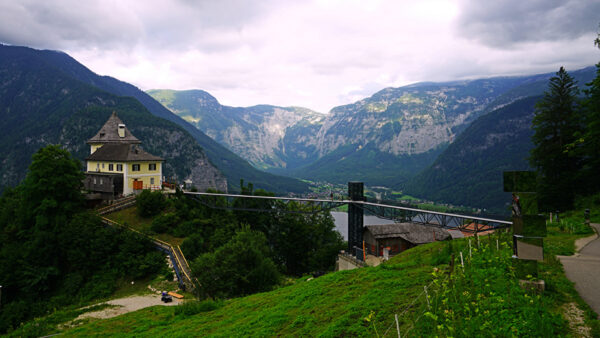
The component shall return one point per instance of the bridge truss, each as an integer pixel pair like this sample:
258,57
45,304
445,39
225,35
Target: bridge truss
466,223
263,203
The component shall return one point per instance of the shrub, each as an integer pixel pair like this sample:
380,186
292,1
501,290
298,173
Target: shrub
164,223
193,246
185,229
150,203
242,266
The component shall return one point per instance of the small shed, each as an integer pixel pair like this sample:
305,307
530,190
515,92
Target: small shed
400,236
108,185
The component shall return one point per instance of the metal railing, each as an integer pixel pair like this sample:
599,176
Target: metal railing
117,205
180,264
388,211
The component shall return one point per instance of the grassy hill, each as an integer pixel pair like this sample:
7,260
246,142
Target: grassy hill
482,299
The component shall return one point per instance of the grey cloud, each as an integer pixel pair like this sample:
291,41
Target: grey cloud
505,23
75,24
65,24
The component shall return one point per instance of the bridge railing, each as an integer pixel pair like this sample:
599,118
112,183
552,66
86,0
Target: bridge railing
180,264
468,223
117,205
237,202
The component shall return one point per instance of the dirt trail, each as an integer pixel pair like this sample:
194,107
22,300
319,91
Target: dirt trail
129,304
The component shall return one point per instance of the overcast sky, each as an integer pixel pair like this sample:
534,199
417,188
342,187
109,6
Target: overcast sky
316,54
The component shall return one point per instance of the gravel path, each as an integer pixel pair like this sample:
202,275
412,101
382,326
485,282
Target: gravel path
125,305
583,269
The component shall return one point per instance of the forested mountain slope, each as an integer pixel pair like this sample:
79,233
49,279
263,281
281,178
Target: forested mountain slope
40,104
469,171
232,166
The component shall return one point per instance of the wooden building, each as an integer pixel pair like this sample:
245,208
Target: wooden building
117,164
400,236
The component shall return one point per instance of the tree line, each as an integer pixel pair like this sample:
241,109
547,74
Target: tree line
53,252
239,252
566,141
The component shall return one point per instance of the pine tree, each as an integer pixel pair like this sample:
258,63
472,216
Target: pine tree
591,138
557,125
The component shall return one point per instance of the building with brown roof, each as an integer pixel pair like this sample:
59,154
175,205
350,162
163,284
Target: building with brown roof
400,236
117,164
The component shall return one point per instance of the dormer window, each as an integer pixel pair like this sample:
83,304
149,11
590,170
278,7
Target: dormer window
121,130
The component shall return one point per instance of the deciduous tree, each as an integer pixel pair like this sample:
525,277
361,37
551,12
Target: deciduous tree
242,266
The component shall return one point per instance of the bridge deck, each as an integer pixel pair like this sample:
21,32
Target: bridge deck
428,217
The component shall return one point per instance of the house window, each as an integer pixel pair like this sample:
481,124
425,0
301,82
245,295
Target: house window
152,180
135,167
102,165
100,181
110,167
152,166
94,180
119,167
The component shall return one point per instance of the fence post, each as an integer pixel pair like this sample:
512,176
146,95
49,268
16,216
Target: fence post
470,254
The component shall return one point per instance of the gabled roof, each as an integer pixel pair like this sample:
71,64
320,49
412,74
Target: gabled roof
109,133
411,232
122,153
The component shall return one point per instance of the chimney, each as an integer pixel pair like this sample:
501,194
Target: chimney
121,130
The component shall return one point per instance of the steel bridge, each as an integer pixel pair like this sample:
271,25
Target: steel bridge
357,206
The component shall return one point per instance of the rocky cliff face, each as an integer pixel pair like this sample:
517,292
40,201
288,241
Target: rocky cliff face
407,121
267,136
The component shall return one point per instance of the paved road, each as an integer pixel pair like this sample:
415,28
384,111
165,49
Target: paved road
584,270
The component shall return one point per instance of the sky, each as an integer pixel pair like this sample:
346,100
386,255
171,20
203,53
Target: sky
316,54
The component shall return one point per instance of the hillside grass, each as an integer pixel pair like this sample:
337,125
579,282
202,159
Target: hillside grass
331,305
63,318
363,302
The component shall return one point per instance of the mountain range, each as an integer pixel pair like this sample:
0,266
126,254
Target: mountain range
386,139
49,97
446,142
